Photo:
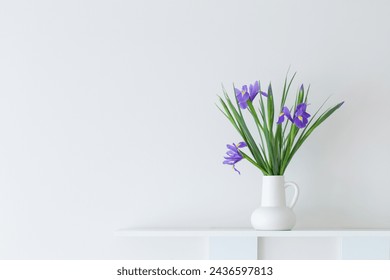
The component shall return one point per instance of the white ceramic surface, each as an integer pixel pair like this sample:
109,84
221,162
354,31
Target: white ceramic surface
274,213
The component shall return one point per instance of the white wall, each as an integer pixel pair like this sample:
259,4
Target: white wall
108,119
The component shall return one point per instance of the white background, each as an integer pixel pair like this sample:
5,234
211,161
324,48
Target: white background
108,119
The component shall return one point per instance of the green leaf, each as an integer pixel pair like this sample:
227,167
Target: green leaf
270,108
307,94
286,89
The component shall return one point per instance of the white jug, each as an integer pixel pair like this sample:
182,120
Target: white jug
273,213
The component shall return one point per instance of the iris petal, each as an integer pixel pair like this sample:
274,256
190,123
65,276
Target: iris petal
243,105
299,123
233,155
231,147
281,118
241,145
236,170
254,90
286,111
256,86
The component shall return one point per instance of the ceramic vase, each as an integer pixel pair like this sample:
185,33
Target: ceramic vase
274,213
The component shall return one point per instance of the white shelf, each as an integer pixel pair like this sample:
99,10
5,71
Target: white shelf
249,232
244,243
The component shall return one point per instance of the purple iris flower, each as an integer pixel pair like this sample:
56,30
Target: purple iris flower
285,113
301,117
244,95
233,155
254,90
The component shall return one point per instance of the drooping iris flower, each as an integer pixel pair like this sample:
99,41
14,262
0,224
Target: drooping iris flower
301,117
233,155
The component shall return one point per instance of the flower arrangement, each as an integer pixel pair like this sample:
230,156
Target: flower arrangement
278,140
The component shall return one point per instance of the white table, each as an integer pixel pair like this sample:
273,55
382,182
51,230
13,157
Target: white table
243,243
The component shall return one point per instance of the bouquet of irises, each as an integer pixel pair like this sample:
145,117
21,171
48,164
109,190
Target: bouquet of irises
278,139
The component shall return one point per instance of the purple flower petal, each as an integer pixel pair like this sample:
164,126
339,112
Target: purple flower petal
299,123
242,99
230,147
231,161
254,90
233,155
243,105
300,108
256,87
241,145
301,116
305,121
250,89
281,118
234,167
286,111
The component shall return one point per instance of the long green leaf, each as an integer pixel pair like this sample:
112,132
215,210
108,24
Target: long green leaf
286,90
270,108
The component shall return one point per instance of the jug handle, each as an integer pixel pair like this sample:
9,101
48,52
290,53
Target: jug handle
296,193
